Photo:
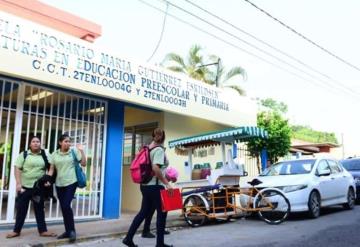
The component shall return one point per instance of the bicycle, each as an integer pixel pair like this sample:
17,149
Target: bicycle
221,202
271,204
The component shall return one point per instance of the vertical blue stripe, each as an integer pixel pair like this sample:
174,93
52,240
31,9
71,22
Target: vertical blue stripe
264,158
235,151
113,160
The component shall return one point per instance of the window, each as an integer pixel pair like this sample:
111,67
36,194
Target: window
136,137
323,167
334,166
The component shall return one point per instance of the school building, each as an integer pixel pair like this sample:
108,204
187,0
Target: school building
54,79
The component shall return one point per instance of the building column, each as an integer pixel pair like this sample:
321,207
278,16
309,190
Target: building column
113,160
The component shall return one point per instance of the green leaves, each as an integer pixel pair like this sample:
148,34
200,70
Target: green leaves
279,141
306,133
205,69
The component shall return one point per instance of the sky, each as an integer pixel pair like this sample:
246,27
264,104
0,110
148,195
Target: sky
327,102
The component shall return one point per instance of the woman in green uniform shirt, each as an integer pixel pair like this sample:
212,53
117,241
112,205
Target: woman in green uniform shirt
66,181
29,169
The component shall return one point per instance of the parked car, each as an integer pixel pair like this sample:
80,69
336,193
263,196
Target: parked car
310,184
352,165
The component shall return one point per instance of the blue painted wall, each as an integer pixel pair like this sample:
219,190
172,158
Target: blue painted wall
113,160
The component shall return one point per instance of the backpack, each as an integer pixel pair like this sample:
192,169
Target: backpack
141,167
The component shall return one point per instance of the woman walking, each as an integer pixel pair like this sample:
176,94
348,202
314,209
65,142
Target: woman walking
66,181
30,167
151,192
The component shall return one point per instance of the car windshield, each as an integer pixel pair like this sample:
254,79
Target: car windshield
290,167
351,164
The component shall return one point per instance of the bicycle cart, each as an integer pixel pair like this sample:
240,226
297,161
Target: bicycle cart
219,196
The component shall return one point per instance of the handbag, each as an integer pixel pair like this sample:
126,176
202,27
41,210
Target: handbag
171,202
80,175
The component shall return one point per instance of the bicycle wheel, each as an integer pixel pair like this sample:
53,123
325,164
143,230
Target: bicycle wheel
273,206
194,210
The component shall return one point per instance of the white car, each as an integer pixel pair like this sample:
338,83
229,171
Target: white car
310,184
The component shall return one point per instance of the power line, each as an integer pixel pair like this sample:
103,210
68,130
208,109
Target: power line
257,48
304,37
161,34
235,46
265,43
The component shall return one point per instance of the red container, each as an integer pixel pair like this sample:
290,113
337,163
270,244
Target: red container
173,202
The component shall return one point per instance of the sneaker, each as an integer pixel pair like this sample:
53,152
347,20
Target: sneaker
147,235
129,243
72,236
166,232
64,235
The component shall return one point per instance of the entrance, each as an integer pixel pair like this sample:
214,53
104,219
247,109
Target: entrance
26,110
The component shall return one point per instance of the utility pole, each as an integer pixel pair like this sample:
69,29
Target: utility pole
217,70
342,144
217,73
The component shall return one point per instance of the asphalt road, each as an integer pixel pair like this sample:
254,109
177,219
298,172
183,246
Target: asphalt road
335,227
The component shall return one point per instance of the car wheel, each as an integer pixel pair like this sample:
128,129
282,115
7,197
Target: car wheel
350,199
314,204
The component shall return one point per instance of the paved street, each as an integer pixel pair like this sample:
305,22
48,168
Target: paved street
335,227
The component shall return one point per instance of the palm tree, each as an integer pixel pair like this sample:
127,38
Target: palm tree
196,68
227,78
192,66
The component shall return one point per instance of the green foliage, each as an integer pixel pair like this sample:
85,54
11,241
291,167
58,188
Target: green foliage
195,66
279,140
274,105
306,133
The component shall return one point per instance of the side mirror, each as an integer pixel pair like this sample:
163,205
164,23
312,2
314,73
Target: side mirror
325,172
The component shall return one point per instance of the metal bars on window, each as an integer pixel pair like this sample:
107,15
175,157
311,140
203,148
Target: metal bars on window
48,113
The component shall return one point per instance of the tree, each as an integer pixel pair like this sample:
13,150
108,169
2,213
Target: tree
198,67
306,133
279,140
227,78
274,105
192,66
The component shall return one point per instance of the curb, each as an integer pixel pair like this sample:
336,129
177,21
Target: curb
175,226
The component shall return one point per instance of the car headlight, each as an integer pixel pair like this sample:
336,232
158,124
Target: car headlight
287,189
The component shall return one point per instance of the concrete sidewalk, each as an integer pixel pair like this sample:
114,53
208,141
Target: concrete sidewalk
85,231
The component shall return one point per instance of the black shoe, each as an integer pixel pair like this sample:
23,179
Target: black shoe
166,232
147,235
72,236
64,235
129,243
164,245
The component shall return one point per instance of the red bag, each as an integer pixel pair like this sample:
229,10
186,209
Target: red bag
141,168
170,203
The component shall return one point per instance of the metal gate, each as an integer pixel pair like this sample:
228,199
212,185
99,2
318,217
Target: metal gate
47,114
250,162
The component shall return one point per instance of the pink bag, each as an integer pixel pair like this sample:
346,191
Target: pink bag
141,167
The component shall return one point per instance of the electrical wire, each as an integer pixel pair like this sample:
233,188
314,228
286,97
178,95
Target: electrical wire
303,36
161,34
237,47
265,43
258,48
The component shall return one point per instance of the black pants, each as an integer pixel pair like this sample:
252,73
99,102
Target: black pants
150,200
148,219
22,205
66,195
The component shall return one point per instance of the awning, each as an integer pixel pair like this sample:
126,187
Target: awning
215,138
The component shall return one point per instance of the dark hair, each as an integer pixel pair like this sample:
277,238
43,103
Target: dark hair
32,138
61,138
158,135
